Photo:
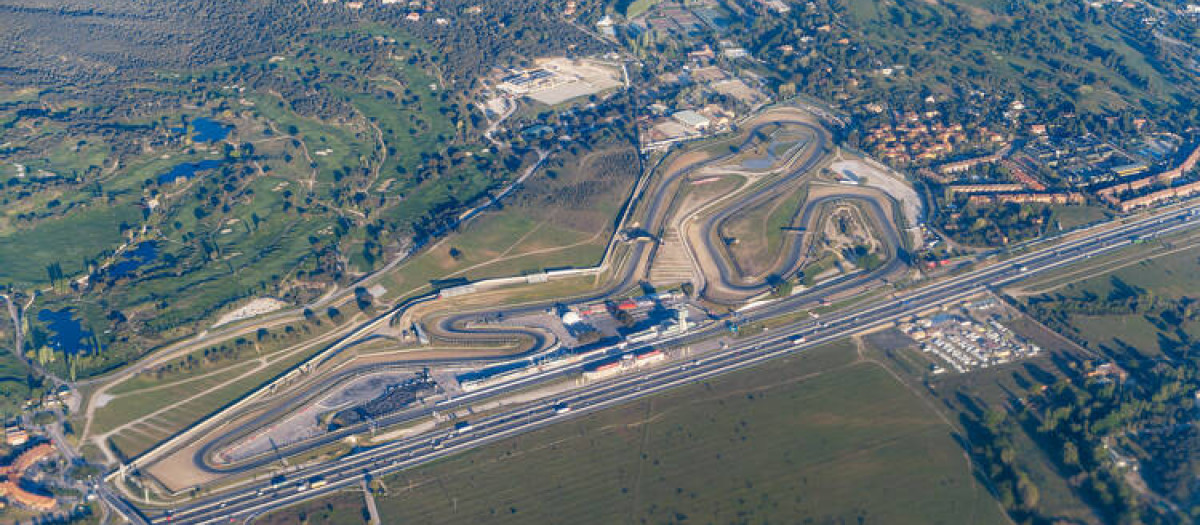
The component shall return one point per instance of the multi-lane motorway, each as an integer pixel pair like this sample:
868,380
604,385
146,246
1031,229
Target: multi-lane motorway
305,483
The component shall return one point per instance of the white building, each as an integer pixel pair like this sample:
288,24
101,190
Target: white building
692,119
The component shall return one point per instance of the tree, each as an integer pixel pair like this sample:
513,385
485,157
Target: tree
780,287
625,319
1028,492
45,355
1070,454
362,298
588,337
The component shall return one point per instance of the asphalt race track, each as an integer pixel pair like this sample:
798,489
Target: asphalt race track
454,326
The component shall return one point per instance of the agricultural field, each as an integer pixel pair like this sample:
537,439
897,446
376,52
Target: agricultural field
825,437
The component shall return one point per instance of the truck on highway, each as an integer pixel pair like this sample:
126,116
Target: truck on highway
462,427
317,482
800,339
562,408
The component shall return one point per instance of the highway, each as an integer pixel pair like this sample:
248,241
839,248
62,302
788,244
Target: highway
247,502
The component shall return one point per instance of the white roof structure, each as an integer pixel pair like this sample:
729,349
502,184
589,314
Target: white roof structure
692,119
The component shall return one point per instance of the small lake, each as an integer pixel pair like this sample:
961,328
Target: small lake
187,170
207,130
66,332
133,259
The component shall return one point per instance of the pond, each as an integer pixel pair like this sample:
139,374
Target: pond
144,253
187,170
207,130
66,332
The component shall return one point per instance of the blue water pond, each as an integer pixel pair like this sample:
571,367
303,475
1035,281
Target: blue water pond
187,170
67,333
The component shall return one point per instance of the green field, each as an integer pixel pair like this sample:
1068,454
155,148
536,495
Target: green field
637,7
1071,217
815,439
759,230
495,245
1054,57
16,382
67,241
1158,279
561,219
781,216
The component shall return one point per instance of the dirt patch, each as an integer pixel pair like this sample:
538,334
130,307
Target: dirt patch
254,308
845,232
578,78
